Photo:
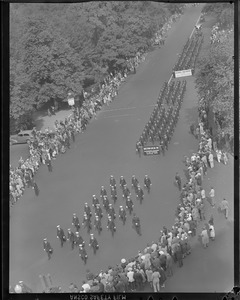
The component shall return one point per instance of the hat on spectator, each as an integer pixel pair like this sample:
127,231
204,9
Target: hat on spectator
123,261
18,289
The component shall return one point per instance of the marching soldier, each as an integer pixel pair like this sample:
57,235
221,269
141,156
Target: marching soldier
126,192
114,194
47,248
60,235
95,201
138,148
103,192
98,224
87,223
71,237
111,225
78,240
134,182
87,210
98,211
93,243
136,224
140,194
75,222
113,182
106,203
129,205
122,215
83,253
111,211
147,183
122,182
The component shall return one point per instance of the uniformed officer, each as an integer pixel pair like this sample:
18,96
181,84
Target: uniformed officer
98,211
71,237
126,192
178,181
138,148
106,203
134,182
111,225
35,187
136,224
83,253
111,211
113,182
122,182
147,183
122,214
87,223
93,243
60,235
140,194
129,205
78,240
98,224
87,210
95,201
47,247
103,192
75,222
114,194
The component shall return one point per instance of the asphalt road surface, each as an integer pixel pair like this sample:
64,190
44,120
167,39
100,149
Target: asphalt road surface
108,147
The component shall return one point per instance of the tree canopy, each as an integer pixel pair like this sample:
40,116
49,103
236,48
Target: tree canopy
215,81
55,48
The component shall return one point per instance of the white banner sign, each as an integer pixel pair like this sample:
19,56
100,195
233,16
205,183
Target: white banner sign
183,73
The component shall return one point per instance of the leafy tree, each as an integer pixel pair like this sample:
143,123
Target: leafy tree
215,81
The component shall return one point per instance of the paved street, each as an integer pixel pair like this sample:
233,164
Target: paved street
108,147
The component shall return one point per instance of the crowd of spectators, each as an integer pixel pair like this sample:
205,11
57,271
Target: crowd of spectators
217,34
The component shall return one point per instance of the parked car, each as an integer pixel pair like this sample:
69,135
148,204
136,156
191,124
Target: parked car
21,138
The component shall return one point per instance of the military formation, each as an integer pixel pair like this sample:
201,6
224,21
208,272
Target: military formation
93,215
164,118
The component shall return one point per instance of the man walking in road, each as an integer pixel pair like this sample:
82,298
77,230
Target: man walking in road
224,207
178,181
212,196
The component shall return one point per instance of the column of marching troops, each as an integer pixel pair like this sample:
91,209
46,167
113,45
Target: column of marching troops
162,123
76,240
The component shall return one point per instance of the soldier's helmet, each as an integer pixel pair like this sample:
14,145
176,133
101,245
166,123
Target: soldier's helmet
45,239
121,176
58,226
69,230
80,245
74,215
121,206
91,234
98,205
96,217
102,187
86,204
94,196
111,176
133,176
77,233
146,175
110,205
